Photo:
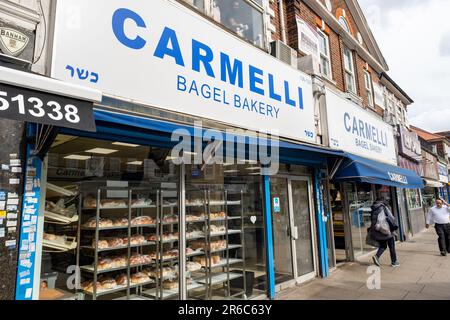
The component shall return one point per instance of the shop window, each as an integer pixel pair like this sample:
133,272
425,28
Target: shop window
349,67
243,17
368,86
325,57
199,4
413,199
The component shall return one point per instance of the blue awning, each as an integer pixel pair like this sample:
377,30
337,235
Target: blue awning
358,169
147,131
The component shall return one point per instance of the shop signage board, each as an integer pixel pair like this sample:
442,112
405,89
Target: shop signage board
354,130
16,42
23,104
443,173
409,144
308,39
162,54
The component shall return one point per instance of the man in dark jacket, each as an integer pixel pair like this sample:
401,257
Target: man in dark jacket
385,237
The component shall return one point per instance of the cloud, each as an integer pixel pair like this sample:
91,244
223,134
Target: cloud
445,45
414,36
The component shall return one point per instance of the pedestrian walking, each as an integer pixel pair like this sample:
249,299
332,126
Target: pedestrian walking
382,230
439,215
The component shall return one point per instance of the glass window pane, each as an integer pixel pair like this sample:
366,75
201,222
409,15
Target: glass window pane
199,4
241,18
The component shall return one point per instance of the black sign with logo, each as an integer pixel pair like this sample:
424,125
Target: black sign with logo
39,107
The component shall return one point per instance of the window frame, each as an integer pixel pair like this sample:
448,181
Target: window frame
344,24
368,84
326,57
352,72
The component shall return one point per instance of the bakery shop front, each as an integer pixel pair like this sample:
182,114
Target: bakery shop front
202,180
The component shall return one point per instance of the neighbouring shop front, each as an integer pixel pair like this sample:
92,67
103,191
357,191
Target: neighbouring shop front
118,212
443,178
368,172
410,201
431,179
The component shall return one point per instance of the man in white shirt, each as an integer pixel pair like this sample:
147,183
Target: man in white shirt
439,215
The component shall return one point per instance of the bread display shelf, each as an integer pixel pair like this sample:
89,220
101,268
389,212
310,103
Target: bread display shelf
119,227
168,293
215,203
225,262
54,218
120,207
148,243
90,269
135,297
220,234
59,246
220,278
117,289
230,247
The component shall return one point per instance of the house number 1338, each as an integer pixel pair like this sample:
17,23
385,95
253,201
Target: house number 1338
37,109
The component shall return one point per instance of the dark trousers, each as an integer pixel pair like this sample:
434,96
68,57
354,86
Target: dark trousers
383,246
443,231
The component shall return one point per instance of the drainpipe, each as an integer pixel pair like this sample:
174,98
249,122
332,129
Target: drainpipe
282,21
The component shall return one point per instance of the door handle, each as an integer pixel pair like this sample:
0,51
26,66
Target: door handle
295,233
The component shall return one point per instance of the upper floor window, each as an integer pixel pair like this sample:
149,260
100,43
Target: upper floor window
244,17
349,66
325,57
369,88
343,22
199,4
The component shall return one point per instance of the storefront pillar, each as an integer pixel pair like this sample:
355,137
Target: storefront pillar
27,284
269,239
321,225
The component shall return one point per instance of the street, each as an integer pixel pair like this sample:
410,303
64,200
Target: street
423,275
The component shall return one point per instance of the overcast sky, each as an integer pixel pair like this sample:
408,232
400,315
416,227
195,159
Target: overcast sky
414,36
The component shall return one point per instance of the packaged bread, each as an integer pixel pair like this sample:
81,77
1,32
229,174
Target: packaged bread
141,202
167,272
90,202
203,261
102,223
50,237
170,219
136,259
118,261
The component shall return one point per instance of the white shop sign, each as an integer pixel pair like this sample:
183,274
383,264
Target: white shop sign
356,131
443,173
162,54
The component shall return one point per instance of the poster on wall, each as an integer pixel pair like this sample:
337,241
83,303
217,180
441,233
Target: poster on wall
142,51
308,39
355,130
443,173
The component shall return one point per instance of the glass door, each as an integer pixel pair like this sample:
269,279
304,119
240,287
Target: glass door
302,231
281,220
293,235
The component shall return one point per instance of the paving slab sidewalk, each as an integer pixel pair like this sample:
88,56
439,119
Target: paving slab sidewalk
423,275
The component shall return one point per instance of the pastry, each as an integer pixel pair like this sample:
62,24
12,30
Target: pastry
218,229
119,261
102,244
152,237
115,242
90,202
102,223
136,259
144,220
109,203
194,202
134,240
50,237
195,218
217,215
139,277
198,245
170,285
88,286
105,264
122,222
170,219
107,283
203,261
192,266
167,272
122,280
141,202
194,234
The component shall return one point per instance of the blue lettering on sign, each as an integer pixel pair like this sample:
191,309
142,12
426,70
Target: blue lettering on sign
231,70
367,131
118,25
